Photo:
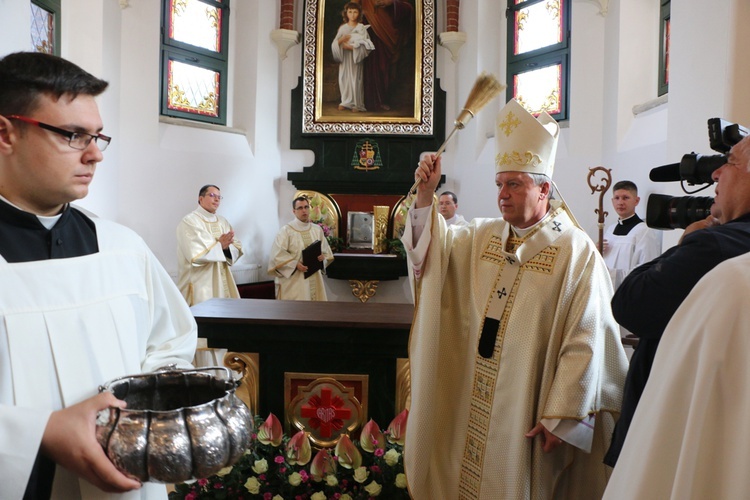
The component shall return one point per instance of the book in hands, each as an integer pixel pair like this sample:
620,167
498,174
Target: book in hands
310,258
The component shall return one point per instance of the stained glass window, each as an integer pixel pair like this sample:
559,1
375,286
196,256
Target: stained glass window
538,55
194,22
45,26
193,89
664,32
194,59
539,90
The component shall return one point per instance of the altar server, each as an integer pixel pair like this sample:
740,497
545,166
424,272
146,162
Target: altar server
82,300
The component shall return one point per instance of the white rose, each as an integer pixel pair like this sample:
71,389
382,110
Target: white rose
345,496
277,497
318,496
260,466
223,472
295,479
391,457
373,489
400,480
331,480
360,475
252,485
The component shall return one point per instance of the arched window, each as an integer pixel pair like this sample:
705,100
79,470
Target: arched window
539,55
195,35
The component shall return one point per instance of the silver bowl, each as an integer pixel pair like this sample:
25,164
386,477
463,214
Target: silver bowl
178,425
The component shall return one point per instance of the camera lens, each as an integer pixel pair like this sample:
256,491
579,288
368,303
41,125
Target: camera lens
670,212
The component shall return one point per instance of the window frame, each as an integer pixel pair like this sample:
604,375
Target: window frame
195,56
54,7
542,57
664,18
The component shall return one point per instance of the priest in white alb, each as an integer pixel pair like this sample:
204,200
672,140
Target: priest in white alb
286,256
206,248
516,361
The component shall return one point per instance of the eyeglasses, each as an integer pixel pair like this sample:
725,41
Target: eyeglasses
216,196
76,140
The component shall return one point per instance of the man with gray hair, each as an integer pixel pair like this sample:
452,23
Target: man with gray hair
648,298
516,365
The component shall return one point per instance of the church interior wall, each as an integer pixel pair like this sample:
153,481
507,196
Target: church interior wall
151,174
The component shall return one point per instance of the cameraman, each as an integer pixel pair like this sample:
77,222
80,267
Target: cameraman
646,300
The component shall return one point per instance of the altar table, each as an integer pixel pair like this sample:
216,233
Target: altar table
313,337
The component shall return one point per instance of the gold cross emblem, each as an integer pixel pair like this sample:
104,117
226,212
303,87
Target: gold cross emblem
509,123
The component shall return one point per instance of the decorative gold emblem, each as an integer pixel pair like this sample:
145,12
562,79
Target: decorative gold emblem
521,159
364,290
326,407
509,124
178,98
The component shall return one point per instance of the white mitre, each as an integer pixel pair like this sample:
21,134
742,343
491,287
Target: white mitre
525,143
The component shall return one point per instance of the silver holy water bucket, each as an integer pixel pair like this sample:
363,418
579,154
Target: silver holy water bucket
178,425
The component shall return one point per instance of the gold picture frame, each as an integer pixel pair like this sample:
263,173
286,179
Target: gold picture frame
407,108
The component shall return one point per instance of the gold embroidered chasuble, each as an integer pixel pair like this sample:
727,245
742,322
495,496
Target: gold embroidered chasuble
557,355
203,268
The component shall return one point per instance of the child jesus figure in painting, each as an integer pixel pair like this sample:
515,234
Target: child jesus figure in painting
350,47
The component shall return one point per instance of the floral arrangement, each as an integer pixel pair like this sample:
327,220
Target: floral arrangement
320,215
276,467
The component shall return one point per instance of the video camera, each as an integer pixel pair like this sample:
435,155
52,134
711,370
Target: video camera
670,212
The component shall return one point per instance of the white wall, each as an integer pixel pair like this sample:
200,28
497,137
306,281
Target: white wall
151,173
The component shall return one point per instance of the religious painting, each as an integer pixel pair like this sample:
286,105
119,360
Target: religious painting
368,67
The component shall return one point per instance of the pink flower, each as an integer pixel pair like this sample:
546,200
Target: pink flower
267,496
298,449
349,455
191,496
371,438
202,482
397,428
305,475
270,432
379,452
375,469
279,459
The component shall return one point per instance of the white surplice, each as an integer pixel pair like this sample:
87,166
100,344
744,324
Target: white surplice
69,325
287,251
202,265
686,440
557,359
626,252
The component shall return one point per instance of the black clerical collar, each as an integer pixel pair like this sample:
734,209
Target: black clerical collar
624,226
23,238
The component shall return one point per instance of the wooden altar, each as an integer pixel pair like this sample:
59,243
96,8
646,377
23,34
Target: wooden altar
322,338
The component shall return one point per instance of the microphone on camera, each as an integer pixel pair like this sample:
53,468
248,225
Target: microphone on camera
666,173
